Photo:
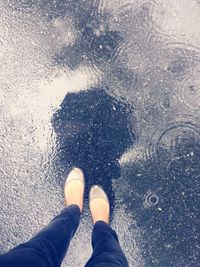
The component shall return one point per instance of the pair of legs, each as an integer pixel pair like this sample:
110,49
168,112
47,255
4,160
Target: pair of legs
49,246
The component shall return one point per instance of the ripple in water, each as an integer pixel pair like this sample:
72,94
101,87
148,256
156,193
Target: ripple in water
182,165
150,7
157,16
189,91
173,19
182,58
161,95
132,21
165,142
151,199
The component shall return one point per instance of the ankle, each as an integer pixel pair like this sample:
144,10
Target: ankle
100,210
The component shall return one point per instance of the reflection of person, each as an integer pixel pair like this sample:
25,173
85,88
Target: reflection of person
49,246
93,130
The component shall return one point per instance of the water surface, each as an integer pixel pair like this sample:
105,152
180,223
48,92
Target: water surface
114,87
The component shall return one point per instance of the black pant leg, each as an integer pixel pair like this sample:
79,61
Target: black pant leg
49,246
106,248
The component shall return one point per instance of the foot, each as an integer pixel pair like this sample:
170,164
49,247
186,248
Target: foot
74,188
99,204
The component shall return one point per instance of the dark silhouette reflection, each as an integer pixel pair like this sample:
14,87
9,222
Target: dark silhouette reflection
96,43
93,131
165,203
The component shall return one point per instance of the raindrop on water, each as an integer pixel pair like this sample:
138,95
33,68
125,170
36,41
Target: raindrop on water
189,91
151,199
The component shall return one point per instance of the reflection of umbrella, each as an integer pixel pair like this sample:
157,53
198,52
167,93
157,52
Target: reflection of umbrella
93,131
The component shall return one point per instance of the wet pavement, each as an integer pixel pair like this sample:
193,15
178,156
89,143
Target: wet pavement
112,87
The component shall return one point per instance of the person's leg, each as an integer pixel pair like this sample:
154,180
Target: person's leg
106,248
49,246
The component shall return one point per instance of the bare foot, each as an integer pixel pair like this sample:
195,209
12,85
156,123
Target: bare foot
99,205
74,188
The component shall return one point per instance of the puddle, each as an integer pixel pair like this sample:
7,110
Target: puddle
111,86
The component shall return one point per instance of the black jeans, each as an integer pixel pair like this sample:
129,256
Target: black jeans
49,246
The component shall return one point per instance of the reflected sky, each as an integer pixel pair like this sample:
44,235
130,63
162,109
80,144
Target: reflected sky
111,86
